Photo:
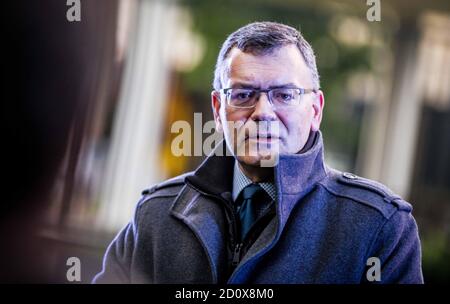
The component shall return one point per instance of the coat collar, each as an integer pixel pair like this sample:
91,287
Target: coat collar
215,173
297,174
294,173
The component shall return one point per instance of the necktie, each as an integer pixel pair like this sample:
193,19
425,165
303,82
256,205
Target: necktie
248,201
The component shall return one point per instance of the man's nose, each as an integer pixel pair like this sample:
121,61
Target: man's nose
263,109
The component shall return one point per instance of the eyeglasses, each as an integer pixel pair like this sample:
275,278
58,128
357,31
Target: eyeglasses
279,97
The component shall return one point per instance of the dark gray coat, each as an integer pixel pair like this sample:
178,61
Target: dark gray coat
327,225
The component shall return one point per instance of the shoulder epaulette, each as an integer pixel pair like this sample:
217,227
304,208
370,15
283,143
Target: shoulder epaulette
366,191
166,185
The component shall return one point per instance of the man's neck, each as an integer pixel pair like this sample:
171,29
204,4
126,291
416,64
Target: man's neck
257,174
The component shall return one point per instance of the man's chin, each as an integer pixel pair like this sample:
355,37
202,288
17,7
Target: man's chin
257,154
264,159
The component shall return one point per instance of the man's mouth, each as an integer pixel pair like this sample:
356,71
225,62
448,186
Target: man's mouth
263,137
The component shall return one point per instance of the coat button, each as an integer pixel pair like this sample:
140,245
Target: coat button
349,175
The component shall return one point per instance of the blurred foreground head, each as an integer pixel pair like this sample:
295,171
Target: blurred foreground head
45,68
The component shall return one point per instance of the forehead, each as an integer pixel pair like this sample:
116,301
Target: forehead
283,65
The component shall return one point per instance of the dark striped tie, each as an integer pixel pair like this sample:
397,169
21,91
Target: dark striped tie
249,199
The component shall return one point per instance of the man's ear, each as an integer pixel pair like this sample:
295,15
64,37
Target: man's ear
216,104
317,104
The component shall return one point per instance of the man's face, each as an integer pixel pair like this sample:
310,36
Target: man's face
284,67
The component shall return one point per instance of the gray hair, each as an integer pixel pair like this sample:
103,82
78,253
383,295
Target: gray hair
260,38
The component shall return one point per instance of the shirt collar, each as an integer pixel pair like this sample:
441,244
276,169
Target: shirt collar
240,181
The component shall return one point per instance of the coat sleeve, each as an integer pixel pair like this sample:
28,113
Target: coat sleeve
399,251
118,259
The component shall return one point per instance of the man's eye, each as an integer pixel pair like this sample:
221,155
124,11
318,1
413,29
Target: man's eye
242,95
284,96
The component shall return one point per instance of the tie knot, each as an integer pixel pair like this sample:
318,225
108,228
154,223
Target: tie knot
251,191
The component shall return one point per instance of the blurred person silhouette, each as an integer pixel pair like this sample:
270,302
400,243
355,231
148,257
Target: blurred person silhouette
46,60
235,220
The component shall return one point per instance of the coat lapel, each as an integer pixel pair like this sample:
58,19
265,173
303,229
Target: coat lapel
206,219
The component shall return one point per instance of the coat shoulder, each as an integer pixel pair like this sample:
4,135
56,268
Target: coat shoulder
168,188
364,191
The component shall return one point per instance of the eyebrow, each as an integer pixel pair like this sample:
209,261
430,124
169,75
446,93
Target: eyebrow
243,85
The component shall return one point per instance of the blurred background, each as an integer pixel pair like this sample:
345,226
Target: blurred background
87,109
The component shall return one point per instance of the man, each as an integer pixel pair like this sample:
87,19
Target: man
238,220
